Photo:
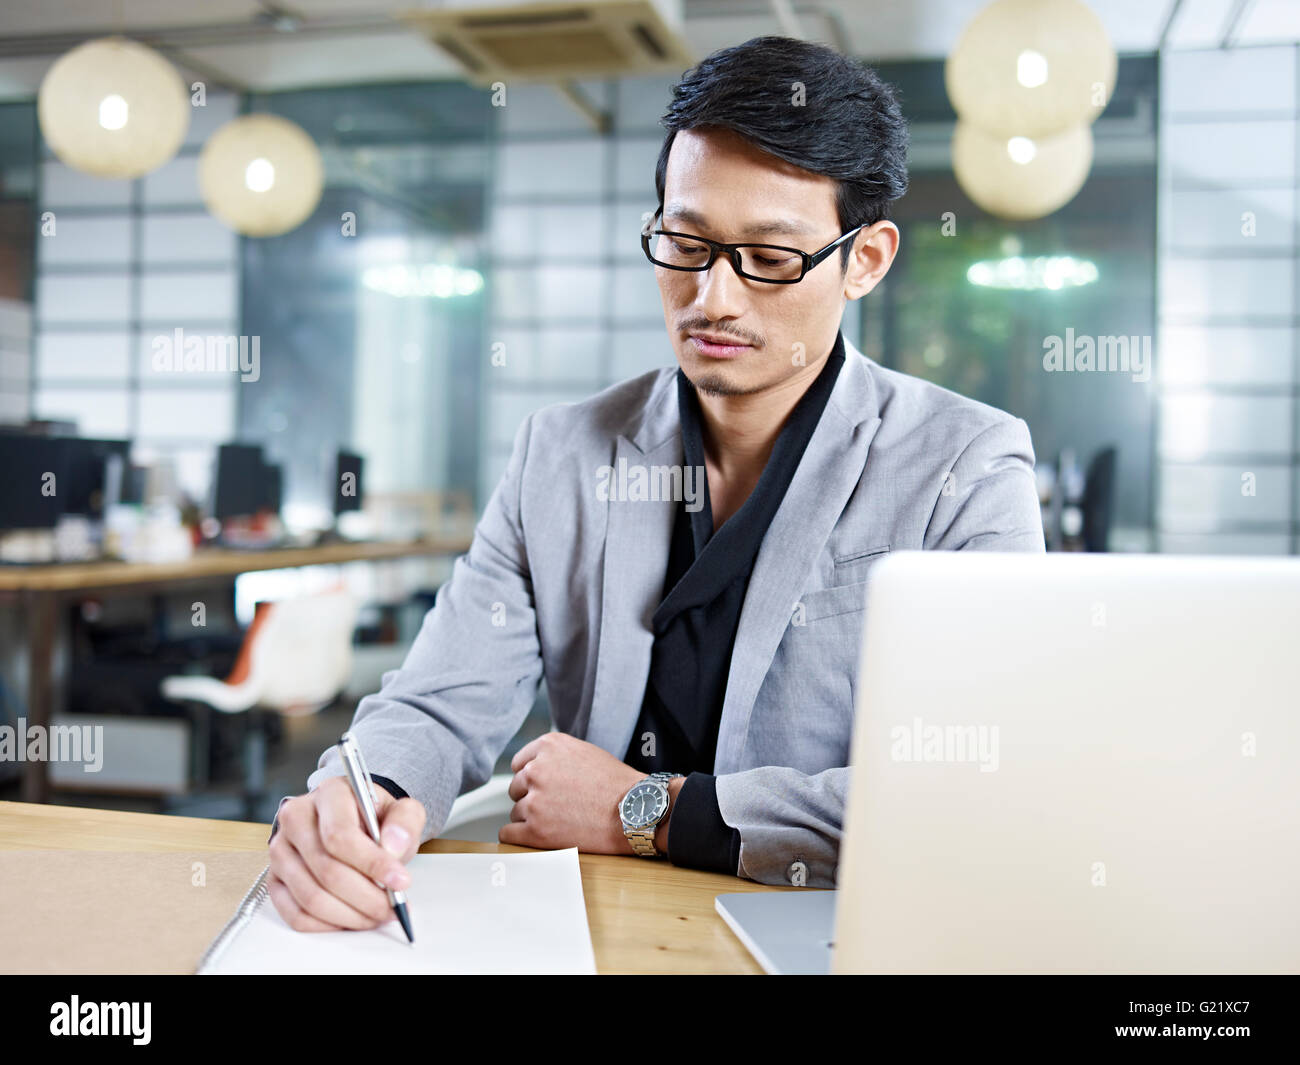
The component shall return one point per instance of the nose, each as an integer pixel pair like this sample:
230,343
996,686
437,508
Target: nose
721,292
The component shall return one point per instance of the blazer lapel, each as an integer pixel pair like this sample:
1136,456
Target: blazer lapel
636,558
830,469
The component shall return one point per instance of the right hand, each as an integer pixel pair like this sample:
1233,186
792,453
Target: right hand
324,864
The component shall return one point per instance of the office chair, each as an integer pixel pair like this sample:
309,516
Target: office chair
479,814
296,659
1098,495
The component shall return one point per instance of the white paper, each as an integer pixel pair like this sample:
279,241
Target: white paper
471,914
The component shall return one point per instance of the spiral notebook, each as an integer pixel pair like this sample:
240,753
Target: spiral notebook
472,913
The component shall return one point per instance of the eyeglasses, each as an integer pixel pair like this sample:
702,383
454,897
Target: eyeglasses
770,263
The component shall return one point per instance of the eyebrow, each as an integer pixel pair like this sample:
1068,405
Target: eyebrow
781,227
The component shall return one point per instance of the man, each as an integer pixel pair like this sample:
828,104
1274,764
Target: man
684,556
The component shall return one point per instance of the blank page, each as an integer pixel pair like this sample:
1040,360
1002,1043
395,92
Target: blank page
471,913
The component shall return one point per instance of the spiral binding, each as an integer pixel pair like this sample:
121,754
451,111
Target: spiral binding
256,895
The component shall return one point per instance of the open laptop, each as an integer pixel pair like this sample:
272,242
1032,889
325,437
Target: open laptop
1063,764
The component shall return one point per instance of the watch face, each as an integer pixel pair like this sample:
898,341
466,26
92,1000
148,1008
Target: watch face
644,805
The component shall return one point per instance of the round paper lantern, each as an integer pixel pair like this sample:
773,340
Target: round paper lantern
1020,177
113,108
261,175
1031,68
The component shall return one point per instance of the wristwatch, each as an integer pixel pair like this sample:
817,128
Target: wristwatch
641,810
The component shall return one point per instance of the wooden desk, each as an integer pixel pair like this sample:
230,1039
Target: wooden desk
42,589
645,917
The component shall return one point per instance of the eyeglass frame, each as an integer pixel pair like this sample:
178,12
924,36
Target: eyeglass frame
732,251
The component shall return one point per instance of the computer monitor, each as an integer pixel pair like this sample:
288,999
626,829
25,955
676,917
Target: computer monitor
34,482
237,491
88,473
348,492
135,481
270,488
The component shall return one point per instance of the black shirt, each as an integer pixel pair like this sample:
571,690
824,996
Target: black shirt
695,627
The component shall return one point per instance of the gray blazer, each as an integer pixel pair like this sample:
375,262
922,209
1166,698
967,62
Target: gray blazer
561,581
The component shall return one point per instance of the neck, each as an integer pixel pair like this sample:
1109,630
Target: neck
740,431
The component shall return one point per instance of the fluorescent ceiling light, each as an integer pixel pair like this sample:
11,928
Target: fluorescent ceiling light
1041,272
438,280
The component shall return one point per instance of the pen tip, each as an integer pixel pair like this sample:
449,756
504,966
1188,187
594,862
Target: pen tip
405,918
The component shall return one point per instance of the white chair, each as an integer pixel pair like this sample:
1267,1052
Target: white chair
298,655
479,814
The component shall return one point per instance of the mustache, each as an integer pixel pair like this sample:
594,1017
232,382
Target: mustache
703,325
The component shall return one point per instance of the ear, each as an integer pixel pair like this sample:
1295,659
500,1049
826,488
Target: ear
873,252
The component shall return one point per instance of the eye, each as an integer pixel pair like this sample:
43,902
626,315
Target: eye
687,247
770,260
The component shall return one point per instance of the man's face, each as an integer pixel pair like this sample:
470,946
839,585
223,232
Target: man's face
717,185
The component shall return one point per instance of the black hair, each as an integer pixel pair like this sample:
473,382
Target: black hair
849,125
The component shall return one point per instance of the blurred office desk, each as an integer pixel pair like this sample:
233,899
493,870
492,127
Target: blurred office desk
42,589
645,916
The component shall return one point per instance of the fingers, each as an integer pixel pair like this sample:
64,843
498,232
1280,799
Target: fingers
326,864
519,784
525,833
325,904
293,914
518,831
345,883
341,835
525,754
516,834
401,824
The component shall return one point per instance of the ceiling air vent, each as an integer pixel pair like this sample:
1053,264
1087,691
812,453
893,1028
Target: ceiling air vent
503,40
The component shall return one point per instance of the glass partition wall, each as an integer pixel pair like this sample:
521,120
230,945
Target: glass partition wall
371,313
975,303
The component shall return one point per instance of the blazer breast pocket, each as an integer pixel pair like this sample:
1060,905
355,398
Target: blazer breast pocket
849,592
831,602
853,565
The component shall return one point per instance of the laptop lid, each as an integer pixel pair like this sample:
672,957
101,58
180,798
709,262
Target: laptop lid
1075,763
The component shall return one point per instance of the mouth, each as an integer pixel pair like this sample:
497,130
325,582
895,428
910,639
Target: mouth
718,346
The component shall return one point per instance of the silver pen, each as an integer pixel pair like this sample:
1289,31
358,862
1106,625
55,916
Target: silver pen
360,780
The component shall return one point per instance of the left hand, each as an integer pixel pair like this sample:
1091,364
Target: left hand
566,793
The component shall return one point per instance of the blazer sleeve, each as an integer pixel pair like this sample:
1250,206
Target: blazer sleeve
439,723
989,499
790,822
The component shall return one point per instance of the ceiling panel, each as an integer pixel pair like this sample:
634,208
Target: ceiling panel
348,41
30,17
1271,22
288,62
1199,24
